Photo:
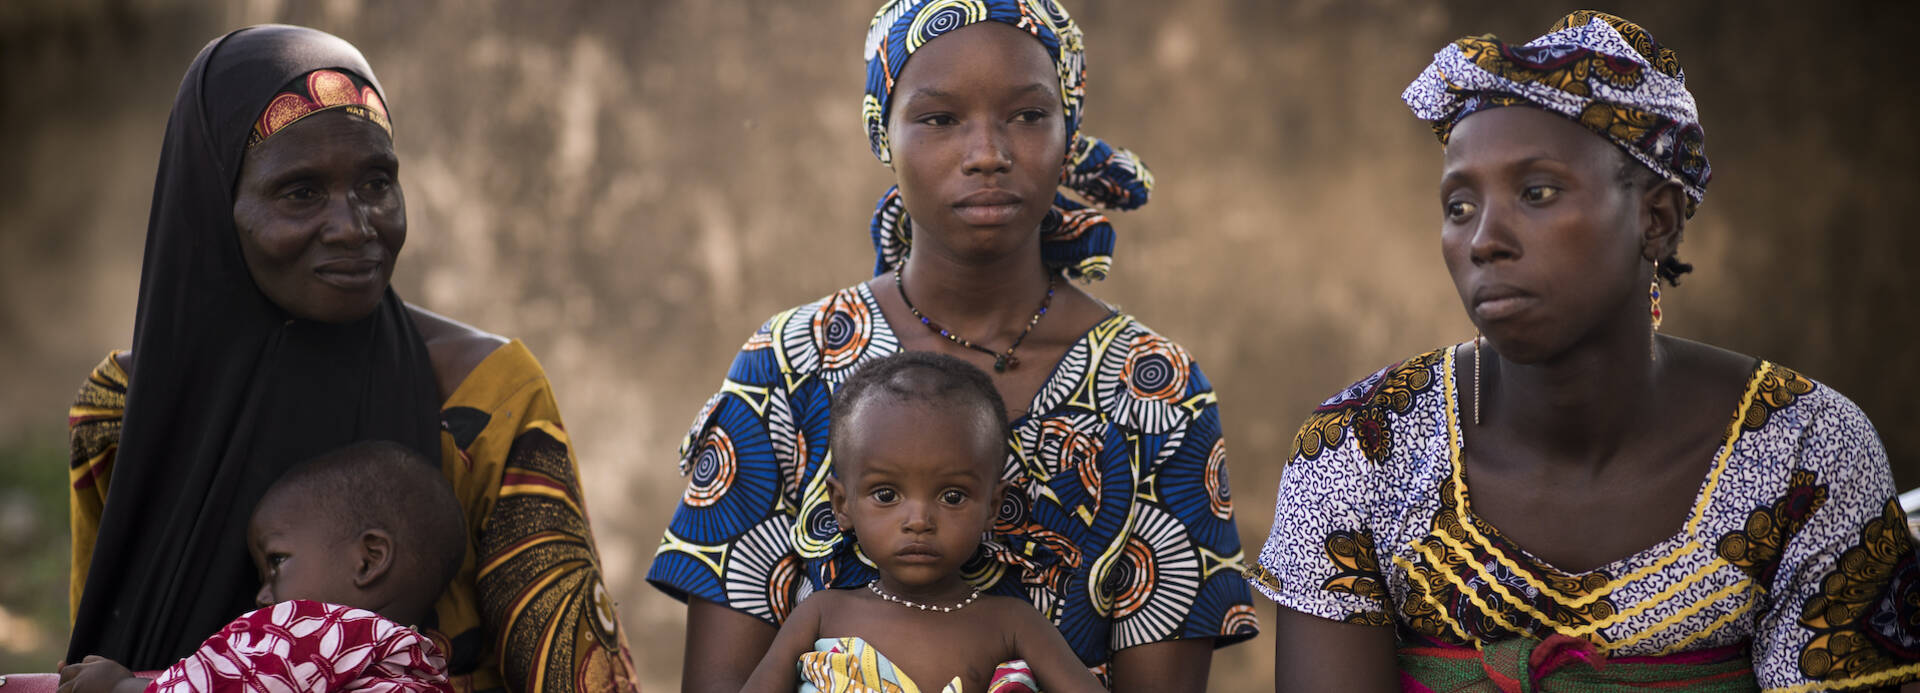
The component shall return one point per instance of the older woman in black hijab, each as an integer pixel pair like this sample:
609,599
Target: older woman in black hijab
266,334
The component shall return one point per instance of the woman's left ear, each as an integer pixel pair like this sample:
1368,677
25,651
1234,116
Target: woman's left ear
375,557
1663,215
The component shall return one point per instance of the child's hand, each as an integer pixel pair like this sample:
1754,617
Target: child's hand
97,674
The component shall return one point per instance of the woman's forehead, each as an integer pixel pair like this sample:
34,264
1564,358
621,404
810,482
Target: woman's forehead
1500,136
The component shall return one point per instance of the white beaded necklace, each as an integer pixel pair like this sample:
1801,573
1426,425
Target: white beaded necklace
875,586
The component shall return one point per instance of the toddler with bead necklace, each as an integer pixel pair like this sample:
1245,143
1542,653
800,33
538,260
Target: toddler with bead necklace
917,446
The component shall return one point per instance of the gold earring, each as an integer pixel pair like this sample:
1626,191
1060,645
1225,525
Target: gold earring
1653,301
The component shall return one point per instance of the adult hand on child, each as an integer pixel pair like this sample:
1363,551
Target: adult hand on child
97,674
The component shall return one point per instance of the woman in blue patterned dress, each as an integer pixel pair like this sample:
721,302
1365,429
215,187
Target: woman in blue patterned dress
1643,510
1118,524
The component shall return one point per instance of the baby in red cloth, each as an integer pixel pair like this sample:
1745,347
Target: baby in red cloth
350,546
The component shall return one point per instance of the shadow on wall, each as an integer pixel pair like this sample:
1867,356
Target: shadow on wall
632,188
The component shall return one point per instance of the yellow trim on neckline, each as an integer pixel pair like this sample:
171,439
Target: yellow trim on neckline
1463,511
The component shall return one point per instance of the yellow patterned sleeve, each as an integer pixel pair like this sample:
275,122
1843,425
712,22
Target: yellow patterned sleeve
93,436
543,608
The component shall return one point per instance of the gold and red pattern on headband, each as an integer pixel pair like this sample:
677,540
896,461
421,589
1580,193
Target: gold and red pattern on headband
322,90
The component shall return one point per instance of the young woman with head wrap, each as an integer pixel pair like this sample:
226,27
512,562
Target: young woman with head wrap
1118,523
266,334
1574,501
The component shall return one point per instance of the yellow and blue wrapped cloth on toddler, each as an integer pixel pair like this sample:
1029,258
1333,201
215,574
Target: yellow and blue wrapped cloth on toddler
850,665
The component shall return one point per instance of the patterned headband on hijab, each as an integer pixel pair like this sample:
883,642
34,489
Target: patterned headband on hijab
1601,71
1074,239
316,91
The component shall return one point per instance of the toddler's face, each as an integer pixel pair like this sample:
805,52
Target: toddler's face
299,556
919,485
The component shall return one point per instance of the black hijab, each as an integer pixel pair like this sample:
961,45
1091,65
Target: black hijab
228,390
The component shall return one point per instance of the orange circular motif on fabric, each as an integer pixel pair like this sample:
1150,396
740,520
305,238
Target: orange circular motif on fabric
843,330
1240,619
1073,450
780,586
1219,497
794,470
1155,369
713,470
1089,473
1133,578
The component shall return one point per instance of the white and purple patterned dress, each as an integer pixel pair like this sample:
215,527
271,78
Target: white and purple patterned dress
1795,548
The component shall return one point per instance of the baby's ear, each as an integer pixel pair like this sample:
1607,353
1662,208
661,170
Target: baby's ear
837,496
373,557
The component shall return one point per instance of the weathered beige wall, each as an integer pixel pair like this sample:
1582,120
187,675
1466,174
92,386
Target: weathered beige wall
632,187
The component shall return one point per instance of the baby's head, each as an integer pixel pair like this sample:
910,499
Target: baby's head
371,525
918,443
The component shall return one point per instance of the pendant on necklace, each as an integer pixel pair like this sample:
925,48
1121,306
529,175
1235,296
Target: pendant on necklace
1003,361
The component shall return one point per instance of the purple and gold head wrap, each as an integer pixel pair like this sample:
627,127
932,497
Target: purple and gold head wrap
1074,238
1601,71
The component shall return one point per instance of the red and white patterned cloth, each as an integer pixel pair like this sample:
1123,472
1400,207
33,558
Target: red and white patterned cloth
310,647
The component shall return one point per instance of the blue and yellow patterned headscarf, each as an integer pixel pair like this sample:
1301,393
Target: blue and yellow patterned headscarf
1074,239
1601,71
